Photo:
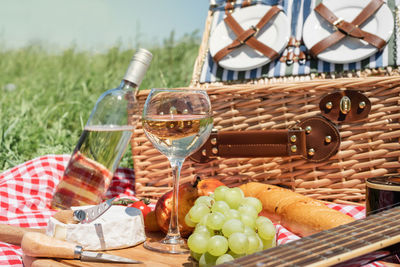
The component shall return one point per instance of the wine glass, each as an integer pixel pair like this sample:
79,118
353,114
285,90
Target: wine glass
177,122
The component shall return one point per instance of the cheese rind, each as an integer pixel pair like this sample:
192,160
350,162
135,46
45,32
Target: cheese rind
118,227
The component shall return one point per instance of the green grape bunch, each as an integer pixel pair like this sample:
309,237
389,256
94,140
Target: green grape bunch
227,226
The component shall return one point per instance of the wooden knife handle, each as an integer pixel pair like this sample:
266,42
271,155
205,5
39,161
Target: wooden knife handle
65,216
13,234
40,245
41,262
48,263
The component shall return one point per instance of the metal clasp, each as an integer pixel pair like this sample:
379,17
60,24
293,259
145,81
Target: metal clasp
256,30
336,22
345,104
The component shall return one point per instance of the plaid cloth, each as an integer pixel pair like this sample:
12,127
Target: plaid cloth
26,191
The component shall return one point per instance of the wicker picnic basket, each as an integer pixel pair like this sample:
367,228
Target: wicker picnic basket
369,147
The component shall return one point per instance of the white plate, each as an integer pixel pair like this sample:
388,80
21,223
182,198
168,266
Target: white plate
275,34
349,49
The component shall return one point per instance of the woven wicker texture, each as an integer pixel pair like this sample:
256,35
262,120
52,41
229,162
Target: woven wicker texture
368,148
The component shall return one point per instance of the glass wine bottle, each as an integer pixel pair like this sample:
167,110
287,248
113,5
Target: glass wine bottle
104,140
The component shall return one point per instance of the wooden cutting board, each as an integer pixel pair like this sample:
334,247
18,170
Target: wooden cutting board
149,258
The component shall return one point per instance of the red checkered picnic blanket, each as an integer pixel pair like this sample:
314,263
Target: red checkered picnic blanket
26,191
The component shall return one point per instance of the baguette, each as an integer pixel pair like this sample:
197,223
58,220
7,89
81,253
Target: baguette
299,214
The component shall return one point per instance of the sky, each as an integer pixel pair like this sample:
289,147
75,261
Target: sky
97,24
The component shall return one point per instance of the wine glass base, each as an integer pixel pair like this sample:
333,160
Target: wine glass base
177,246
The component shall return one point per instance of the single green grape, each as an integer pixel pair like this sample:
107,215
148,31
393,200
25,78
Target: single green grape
215,220
237,189
198,211
198,243
207,260
204,230
249,230
234,197
203,221
248,209
238,243
232,214
224,258
189,222
269,243
262,219
209,201
217,245
219,192
232,226
254,244
220,206
248,220
261,244
255,202
266,230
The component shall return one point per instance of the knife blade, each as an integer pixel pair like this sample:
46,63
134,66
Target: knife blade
40,245
103,257
83,215
90,214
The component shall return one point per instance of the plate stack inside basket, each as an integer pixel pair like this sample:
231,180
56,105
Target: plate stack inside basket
368,148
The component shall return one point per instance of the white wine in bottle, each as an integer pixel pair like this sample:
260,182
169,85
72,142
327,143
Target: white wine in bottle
103,142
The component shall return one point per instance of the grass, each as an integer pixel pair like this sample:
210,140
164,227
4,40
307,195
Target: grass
46,98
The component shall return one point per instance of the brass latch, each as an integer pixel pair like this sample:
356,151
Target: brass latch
345,106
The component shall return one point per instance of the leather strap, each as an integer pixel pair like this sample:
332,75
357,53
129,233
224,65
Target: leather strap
246,3
344,28
248,36
268,143
307,141
230,5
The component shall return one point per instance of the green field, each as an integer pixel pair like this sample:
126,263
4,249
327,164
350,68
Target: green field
46,98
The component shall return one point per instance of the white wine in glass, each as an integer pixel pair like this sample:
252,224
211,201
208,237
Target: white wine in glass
177,122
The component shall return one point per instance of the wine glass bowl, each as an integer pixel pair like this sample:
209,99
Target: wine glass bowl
177,122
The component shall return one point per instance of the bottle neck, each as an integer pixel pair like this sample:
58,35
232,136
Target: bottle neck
128,85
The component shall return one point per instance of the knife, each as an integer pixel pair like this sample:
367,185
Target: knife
40,245
83,215
13,234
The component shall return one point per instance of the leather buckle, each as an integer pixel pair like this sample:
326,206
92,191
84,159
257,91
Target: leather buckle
251,35
336,22
256,30
349,29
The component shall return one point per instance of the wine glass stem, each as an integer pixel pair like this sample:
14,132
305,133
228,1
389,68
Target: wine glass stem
173,231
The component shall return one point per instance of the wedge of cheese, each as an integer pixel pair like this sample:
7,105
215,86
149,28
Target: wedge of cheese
118,227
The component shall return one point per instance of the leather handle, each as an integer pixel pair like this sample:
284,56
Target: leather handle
316,139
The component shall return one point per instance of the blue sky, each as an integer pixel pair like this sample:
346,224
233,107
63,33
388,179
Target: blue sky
97,24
